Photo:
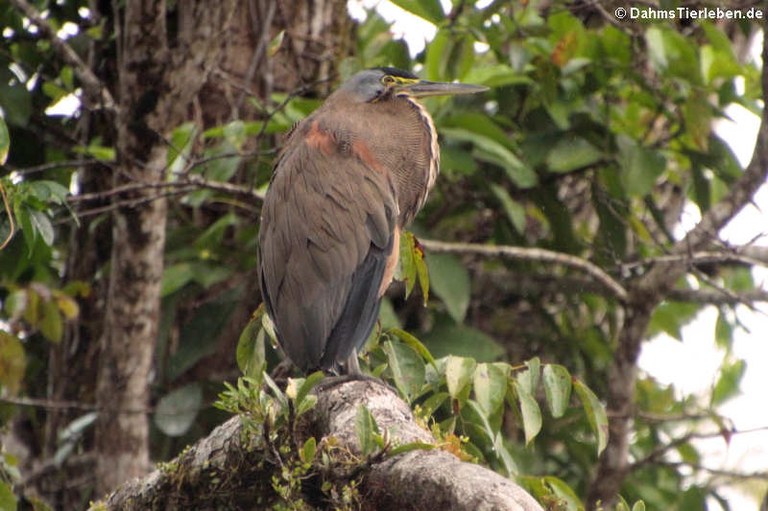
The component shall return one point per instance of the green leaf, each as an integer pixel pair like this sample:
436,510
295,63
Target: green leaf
235,134
654,40
458,374
5,141
16,103
47,190
433,402
723,331
176,411
422,272
572,153
414,343
75,429
529,411
51,321
307,385
411,266
496,75
492,151
697,114
7,498
182,141
411,446
250,349
430,10
564,493
622,504
367,430
274,45
515,212
447,339
489,384
437,53
42,225
308,450
278,394
595,412
175,277
557,387
728,383
670,317
13,362
406,366
450,281
529,377
640,167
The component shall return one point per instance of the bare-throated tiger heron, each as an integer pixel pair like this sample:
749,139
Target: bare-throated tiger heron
349,178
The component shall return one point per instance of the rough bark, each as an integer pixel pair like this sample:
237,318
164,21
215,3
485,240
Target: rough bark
228,470
645,294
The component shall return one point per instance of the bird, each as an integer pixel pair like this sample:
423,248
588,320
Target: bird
348,179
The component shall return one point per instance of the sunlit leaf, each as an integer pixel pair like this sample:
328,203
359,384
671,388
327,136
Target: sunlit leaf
5,141
406,367
528,378
489,384
275,43
42,225
530,413
458,374
557,388
595,412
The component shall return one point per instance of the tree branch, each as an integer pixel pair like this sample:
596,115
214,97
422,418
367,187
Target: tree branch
646,293
228,468
613,287
90,81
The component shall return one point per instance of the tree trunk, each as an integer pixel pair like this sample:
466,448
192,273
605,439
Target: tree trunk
156,87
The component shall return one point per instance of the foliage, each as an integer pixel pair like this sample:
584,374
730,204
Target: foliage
593,137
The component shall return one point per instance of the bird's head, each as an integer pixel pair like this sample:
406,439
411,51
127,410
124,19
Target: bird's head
383,83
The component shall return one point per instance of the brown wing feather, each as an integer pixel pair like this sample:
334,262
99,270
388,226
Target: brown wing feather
326,232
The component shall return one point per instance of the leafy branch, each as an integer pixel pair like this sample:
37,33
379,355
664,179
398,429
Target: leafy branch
91,83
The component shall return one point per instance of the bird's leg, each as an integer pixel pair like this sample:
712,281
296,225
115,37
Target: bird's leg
352,372
352,365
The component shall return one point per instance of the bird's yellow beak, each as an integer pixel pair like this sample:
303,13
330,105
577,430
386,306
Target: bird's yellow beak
424,88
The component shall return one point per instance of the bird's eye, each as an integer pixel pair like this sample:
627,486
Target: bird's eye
387,80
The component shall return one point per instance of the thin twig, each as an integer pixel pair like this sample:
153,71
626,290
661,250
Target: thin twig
531,254
698,258
56,165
